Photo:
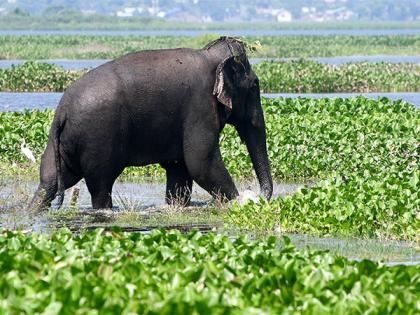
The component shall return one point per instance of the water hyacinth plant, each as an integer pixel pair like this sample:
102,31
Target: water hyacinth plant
296,76
366,151
109,47
305,76
37,77
170,273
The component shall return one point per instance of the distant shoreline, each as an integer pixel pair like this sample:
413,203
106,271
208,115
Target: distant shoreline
108,23
228,32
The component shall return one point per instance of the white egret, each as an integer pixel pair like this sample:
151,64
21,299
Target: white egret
27,152
247,195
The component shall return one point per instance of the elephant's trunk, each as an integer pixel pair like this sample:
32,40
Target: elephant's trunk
255,140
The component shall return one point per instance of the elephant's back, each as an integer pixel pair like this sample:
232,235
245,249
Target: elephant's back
157,70
153,76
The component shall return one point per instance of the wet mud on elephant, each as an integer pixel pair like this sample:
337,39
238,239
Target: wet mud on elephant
162,106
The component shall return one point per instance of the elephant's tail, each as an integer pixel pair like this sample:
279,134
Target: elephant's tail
56,128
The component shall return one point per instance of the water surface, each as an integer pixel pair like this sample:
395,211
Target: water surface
140,207
193,33
139,195
20,101
78,64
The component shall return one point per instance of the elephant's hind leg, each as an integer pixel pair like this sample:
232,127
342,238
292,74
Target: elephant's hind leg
100,185
178,183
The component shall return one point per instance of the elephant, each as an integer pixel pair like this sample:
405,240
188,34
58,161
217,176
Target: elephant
164,106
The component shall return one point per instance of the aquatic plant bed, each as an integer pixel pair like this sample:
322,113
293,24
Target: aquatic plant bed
295,76
108,47
365,151
307,138
172,273
306,76
35,76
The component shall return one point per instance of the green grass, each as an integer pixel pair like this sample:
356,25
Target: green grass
169,273
34,47
299,76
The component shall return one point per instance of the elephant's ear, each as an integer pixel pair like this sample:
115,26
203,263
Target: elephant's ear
224,86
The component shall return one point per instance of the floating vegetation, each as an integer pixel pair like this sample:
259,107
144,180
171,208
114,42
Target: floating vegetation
108,47
173,273
365,151
305,76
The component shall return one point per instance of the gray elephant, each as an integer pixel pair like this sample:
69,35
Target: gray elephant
162,106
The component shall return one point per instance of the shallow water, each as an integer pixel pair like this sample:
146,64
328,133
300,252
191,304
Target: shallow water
390,252
142,198
193,33
20,101
137,195
78,64
140,207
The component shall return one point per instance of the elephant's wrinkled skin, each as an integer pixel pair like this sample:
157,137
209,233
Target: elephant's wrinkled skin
162,106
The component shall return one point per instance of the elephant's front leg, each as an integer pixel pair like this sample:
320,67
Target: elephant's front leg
206,167
178,183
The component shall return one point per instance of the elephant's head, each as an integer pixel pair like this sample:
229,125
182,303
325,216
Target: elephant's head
237,88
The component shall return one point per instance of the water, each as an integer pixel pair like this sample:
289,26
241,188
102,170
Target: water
78,64
193,33
390,252
66,64
20,101
140,207
137,195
